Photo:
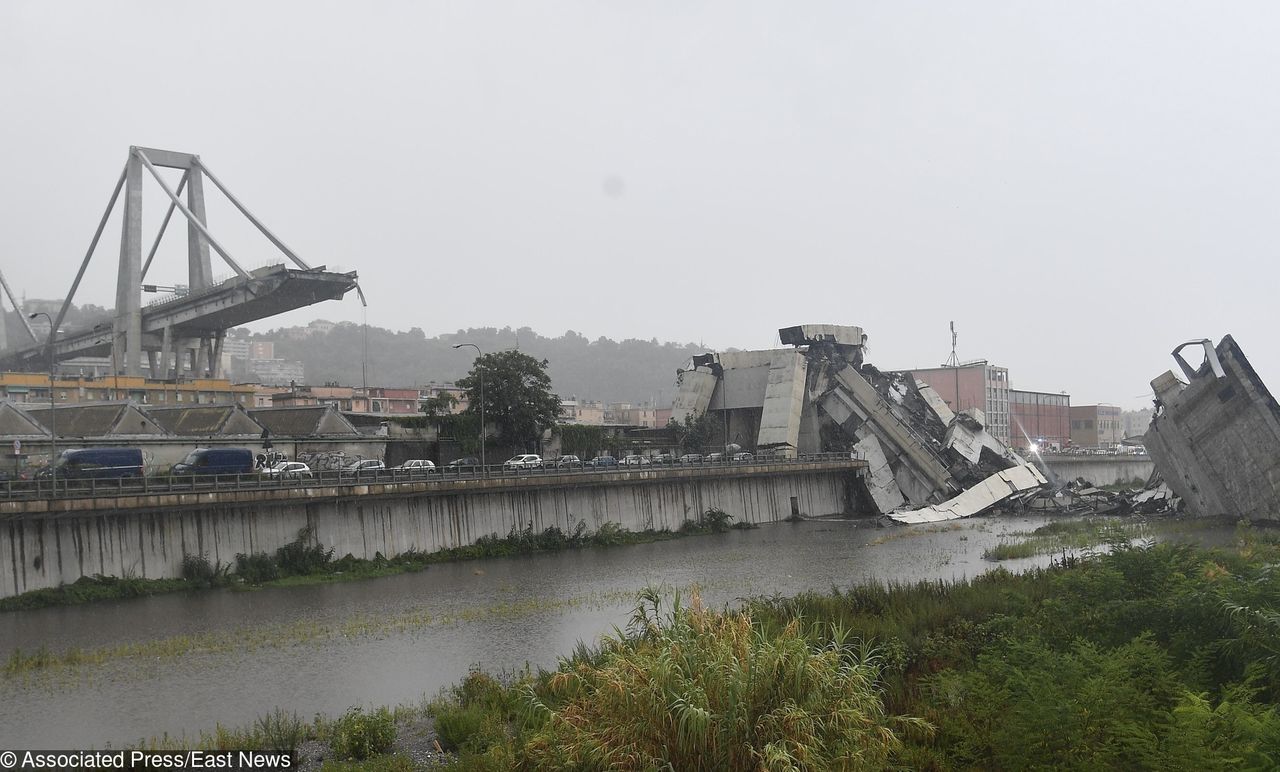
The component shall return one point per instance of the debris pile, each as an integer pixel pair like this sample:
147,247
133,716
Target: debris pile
1079,496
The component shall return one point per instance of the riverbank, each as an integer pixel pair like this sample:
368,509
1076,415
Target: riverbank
306,561
1150,656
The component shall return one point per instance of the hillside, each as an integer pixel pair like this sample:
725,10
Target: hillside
621,371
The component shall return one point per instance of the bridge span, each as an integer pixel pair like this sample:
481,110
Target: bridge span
48,542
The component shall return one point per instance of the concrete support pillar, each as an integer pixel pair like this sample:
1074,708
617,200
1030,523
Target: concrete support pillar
128,319
199,269
215,354
166,349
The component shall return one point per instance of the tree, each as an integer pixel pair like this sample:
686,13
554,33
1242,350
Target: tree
697,434
517,396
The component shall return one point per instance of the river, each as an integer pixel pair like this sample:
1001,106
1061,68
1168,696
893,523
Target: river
179,664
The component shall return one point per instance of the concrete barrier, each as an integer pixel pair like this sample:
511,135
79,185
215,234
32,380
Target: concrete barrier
45,544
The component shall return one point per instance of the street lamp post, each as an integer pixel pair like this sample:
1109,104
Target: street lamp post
53,406
480,371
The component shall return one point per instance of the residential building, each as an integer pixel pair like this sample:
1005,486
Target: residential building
1040,418
627,414
1096,426
974,384
34,388
278,371
585,412
434,390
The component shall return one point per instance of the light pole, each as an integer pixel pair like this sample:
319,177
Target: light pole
480,373
53,407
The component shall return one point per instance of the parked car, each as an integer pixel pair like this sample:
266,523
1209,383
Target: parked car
364,466
690,458
523,461
209,461
287,470
604,461
569,462
417,465
743,458
714,458
462,463
97,463
665,459
635,460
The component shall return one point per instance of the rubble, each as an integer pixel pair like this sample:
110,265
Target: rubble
820,395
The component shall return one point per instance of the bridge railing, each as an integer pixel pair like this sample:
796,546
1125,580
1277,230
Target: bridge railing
79,488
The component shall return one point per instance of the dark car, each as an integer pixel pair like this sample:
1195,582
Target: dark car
97,463
468,464
604,461
215,461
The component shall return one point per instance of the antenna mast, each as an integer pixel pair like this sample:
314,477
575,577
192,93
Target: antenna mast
953,360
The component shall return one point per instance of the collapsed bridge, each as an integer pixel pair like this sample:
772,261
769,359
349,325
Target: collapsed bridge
925,462
185,330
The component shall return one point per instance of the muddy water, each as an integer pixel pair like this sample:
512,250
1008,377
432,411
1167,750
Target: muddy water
180,664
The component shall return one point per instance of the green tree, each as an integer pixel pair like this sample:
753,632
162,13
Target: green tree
517,396
584,441
697,434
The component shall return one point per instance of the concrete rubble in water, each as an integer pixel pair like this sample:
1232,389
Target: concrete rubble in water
925,462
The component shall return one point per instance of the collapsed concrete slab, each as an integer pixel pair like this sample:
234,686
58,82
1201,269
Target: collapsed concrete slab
1215,439
979,498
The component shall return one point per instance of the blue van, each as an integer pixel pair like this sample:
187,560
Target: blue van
215,461
90,463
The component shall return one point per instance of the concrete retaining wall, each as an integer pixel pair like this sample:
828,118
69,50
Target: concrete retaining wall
1101,470
149,537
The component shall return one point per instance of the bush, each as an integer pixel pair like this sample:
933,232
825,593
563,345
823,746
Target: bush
359,735
256,568
473,716
279,731
701,690
304,555
197,570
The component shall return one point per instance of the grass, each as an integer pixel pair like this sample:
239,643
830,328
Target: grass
1061,536
305,562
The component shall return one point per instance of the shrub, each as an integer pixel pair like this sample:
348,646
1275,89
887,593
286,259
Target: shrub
472,717
359,735
701,690
197,570
279,731
304,555
256,568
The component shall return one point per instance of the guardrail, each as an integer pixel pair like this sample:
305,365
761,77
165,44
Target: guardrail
44,488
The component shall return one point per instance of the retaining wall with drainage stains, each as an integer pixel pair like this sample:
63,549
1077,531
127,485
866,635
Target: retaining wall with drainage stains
45,544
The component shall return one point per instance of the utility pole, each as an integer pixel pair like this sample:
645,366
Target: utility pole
480,372
53,405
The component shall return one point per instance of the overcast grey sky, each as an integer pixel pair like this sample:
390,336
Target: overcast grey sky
1079,185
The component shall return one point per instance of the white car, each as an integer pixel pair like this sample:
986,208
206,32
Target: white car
525,461
365,466
417,465
288,470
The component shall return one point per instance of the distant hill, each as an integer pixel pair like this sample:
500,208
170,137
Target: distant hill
616,371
